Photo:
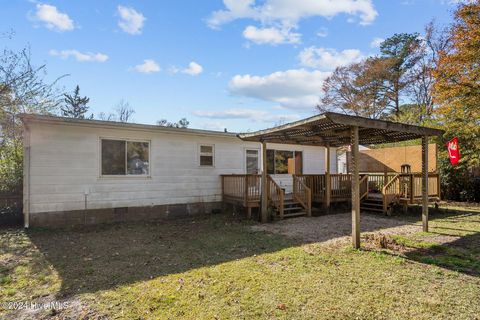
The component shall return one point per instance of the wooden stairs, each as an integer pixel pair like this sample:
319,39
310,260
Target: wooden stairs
375,204
291,208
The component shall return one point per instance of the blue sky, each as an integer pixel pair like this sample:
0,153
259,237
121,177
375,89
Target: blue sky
236,64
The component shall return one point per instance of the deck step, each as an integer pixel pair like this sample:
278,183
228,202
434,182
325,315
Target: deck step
292,208
296,214
371,209
372,204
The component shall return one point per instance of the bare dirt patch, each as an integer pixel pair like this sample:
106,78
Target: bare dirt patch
335,229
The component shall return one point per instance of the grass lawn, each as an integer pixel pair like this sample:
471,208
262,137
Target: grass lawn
216,268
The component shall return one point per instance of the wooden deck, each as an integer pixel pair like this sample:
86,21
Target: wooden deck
378,192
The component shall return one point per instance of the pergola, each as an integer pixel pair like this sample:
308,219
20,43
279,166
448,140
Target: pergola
335,130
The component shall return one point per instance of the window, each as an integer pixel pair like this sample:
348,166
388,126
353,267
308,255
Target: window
284,162
251,161
122,157
206,156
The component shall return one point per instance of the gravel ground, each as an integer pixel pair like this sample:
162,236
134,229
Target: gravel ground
335,229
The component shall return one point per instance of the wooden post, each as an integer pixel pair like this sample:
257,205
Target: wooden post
425,183
412,186
438,172
264,211
355,189
245,191
328,180
385,175
222,179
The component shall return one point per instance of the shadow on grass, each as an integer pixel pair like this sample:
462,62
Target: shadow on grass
103,257
462,255
453,241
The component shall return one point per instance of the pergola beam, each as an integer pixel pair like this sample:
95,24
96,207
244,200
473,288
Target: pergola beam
334,128
381,124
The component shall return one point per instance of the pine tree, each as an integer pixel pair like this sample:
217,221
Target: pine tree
401,51
75,105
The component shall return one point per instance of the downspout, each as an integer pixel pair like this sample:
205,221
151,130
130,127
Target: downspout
26,175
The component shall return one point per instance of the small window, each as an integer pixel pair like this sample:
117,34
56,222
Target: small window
206,156
252,161
121,157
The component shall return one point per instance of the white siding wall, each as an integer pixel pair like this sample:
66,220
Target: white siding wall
65,165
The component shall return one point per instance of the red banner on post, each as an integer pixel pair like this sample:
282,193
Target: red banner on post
453,151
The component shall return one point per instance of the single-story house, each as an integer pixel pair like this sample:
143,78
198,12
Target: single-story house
80,171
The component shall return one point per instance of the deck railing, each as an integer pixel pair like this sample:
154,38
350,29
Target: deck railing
242,187
416,180
341,186
364,182
376,181
390,191
405,187
316,184
302,194
276,195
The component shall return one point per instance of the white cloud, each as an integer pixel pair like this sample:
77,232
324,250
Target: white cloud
297,88
148,66
131,21
250,114
232,114
213,125
322,33
193,69
326,58
270,35
52,18
80,56
289,12
376,42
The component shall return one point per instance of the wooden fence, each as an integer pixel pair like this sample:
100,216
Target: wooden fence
11,200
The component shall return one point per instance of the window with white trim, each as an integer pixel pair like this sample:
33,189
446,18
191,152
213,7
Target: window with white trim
207,155
251,161
124,157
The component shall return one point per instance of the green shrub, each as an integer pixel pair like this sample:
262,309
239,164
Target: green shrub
11,167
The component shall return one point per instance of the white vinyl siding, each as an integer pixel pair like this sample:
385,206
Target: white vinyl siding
65,167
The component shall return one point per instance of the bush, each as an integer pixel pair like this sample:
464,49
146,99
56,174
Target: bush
11,167
458,183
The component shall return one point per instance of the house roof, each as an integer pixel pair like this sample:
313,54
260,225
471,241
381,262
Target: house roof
333,129
35,118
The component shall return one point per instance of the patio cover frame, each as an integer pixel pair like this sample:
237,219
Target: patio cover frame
334,130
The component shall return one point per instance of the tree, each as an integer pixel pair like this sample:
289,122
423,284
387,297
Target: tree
457,83
401,52
421,79
182,123
357,89
23,89
122,112
75,106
